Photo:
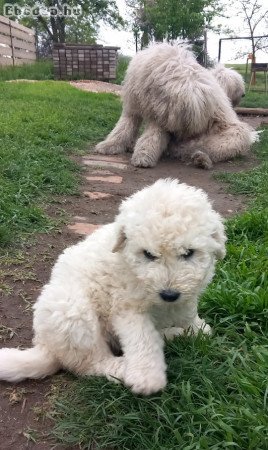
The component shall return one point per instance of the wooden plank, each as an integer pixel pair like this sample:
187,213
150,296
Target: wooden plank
21,35
5,39
7,51
23,44
5,61
24,54
252,111
4,19
4,29
20,27
22,61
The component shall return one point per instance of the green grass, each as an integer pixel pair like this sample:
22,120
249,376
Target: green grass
122,65
41,70
254,182
256,97
217,393
41,124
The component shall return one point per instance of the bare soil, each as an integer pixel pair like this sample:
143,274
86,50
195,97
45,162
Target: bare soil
97,86
24,422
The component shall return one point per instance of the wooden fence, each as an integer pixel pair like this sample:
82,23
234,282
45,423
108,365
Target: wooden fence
17,43
73,61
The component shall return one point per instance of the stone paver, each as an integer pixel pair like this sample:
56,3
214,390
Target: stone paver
80,225
113,158
80,218
97,195
83,228
112,165
110,179
102,172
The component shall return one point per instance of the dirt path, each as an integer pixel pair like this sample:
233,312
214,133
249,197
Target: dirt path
105,182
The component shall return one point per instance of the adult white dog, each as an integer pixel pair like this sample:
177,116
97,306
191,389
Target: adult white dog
125,286
173,95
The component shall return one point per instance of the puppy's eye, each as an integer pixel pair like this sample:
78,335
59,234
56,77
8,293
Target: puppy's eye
149,255
188,253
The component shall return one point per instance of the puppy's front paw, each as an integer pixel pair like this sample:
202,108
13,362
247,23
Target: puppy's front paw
199,325
145,383
172,332
206,329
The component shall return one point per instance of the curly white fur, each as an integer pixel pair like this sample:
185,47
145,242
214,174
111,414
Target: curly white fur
231,82
107,292
173,95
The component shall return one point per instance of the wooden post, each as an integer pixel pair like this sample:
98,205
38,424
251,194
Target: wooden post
254,74
11,43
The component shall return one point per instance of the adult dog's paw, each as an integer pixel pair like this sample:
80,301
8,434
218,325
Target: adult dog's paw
146,384
201,159
142,160
107,148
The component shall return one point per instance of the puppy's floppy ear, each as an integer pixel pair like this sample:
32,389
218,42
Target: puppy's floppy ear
220,238
120,242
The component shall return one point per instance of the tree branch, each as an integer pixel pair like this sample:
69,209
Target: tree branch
45,25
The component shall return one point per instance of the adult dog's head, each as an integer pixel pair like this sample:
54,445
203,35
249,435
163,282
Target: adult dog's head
231,82
169,239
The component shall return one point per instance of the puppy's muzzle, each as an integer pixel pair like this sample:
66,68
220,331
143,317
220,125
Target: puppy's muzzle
169,296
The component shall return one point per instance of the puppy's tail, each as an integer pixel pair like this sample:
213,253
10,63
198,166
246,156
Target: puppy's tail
36,362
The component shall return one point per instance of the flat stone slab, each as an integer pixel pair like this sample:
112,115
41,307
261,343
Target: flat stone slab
110,179
112,165
102,172
110,158
97,195
80,218
83,228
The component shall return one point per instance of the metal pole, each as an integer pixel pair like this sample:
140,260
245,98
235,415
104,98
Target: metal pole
219,54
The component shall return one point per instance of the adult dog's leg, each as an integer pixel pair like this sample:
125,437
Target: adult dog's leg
142,346
123,137
217,145
150,146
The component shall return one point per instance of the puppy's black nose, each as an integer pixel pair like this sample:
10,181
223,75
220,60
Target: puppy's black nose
243,95
169,296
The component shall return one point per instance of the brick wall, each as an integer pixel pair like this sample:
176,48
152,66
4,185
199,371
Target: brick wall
94,62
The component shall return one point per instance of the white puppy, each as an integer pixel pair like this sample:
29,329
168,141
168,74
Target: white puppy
125,286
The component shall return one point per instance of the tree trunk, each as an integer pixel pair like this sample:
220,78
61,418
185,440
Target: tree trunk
54,29
61,29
